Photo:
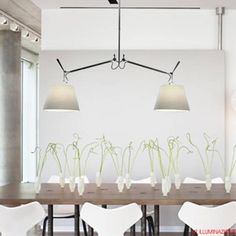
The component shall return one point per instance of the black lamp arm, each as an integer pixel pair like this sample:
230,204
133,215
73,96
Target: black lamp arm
82,68
175,67
148,67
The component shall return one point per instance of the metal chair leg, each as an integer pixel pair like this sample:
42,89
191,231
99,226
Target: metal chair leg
85,228
150,225
186,230
44,226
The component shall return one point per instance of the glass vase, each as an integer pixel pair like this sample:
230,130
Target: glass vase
228,184
98,179
164,186
128,181
62,180
72,183
153,180
168,180
37,185
177,181
208,182
120,183
80,186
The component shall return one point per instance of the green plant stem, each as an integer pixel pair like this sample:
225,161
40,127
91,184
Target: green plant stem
198,151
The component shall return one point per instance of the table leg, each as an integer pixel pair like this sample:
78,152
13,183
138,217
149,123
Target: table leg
132,231
90,231
156,220
50,220
143,220
77,220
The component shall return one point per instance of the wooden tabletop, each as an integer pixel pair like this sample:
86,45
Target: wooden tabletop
142,194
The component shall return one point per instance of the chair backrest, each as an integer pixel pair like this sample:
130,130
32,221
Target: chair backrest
189,180
54,179
109,222
18,220
141,181
208,220
86,180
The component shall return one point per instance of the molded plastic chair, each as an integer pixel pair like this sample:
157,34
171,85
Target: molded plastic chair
141,181
189,180
18,220
150,212
208,220
109,222
62,211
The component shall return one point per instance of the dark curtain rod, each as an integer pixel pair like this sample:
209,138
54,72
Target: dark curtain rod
137,8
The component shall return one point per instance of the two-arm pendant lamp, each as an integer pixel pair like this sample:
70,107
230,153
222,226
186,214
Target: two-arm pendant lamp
171,96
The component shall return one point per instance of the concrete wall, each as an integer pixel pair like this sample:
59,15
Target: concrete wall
10,107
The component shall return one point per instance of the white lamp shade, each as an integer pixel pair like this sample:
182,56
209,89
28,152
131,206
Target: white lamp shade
61,98
172,98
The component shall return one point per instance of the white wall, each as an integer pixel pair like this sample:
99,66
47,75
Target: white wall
145,29
141,29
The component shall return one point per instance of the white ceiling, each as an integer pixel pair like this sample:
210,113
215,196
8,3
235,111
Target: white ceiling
205,4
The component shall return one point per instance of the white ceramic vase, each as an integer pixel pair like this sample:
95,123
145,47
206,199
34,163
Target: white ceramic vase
164,186
153,180
62,180
128,181
120,183
37,185
98,179
72,183
80,186
228,184
208,182
177,181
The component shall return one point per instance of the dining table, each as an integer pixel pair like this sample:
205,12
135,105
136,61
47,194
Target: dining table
108,195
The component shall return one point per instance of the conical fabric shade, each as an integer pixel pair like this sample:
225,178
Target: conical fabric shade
61,98
172,98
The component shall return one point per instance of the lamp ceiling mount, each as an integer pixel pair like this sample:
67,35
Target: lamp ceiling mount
113,1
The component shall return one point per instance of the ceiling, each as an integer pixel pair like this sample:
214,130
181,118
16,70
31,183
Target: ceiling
206,4
23,10
27,13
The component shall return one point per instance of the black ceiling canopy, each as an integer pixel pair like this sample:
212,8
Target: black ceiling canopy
113,1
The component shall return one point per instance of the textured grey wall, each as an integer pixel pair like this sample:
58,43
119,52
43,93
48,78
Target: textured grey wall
10,107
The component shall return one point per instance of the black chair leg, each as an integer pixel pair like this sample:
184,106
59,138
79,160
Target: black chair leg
44,225
85,228
150,225
186,230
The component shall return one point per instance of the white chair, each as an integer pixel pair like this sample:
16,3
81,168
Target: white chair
208,220
107,222
18,220
189,180
150,211
62,211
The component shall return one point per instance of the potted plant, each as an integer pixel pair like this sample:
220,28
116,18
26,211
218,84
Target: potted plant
150,147
78,154
207,157
131,158
175,159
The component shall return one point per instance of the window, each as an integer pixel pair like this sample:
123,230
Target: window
29,81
